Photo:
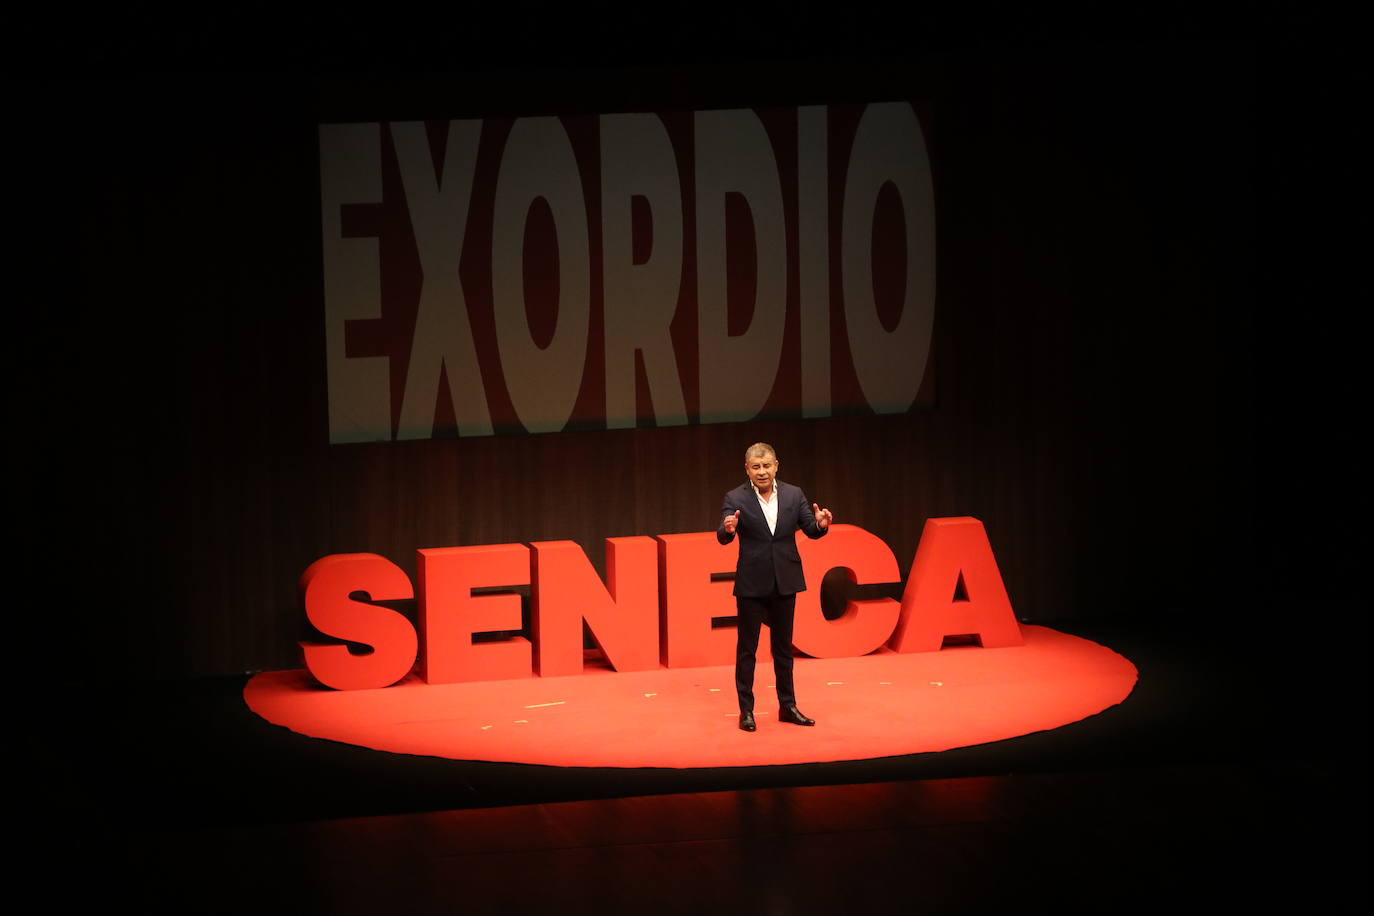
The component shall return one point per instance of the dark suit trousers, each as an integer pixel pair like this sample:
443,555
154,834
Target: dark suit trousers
778,612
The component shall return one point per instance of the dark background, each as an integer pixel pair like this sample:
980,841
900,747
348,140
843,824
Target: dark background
1099,288
1146,356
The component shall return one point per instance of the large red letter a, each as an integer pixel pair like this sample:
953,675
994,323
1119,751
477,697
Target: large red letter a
954,589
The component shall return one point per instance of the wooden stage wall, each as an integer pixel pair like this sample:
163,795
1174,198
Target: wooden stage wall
1093,398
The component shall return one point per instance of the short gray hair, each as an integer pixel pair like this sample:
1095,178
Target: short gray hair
759,449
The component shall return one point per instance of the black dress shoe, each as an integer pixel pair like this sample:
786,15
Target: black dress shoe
793,714
746,721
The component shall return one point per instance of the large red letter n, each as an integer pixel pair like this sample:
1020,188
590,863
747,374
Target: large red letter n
622,615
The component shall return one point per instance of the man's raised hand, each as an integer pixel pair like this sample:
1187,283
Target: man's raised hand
731,521
823,516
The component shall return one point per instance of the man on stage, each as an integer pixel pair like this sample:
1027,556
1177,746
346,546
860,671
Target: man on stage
766,514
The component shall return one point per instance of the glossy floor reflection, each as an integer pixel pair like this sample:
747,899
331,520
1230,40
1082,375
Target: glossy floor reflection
1207,836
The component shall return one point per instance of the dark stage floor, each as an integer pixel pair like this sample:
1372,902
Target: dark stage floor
1210,784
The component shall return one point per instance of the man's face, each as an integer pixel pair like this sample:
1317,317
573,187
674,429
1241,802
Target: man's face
761,470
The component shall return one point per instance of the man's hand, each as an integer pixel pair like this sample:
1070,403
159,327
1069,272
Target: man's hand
823,516
731,522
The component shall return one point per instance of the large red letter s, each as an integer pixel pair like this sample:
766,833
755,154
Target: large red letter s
325,588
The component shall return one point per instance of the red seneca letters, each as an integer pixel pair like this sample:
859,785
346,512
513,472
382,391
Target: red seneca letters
655,607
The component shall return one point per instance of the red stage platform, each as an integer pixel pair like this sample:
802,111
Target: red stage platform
878,705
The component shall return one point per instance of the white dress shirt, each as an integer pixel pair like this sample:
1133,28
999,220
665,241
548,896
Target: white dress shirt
769,506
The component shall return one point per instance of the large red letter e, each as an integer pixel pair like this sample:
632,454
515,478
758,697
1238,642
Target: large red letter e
450,614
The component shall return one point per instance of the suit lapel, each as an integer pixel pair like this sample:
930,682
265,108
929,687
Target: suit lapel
787,502
755,511
784,528
788,498
752,507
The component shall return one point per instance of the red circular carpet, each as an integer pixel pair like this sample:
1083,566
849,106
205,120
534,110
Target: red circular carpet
875,706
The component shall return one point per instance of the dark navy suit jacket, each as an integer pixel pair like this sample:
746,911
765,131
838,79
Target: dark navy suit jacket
764,557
